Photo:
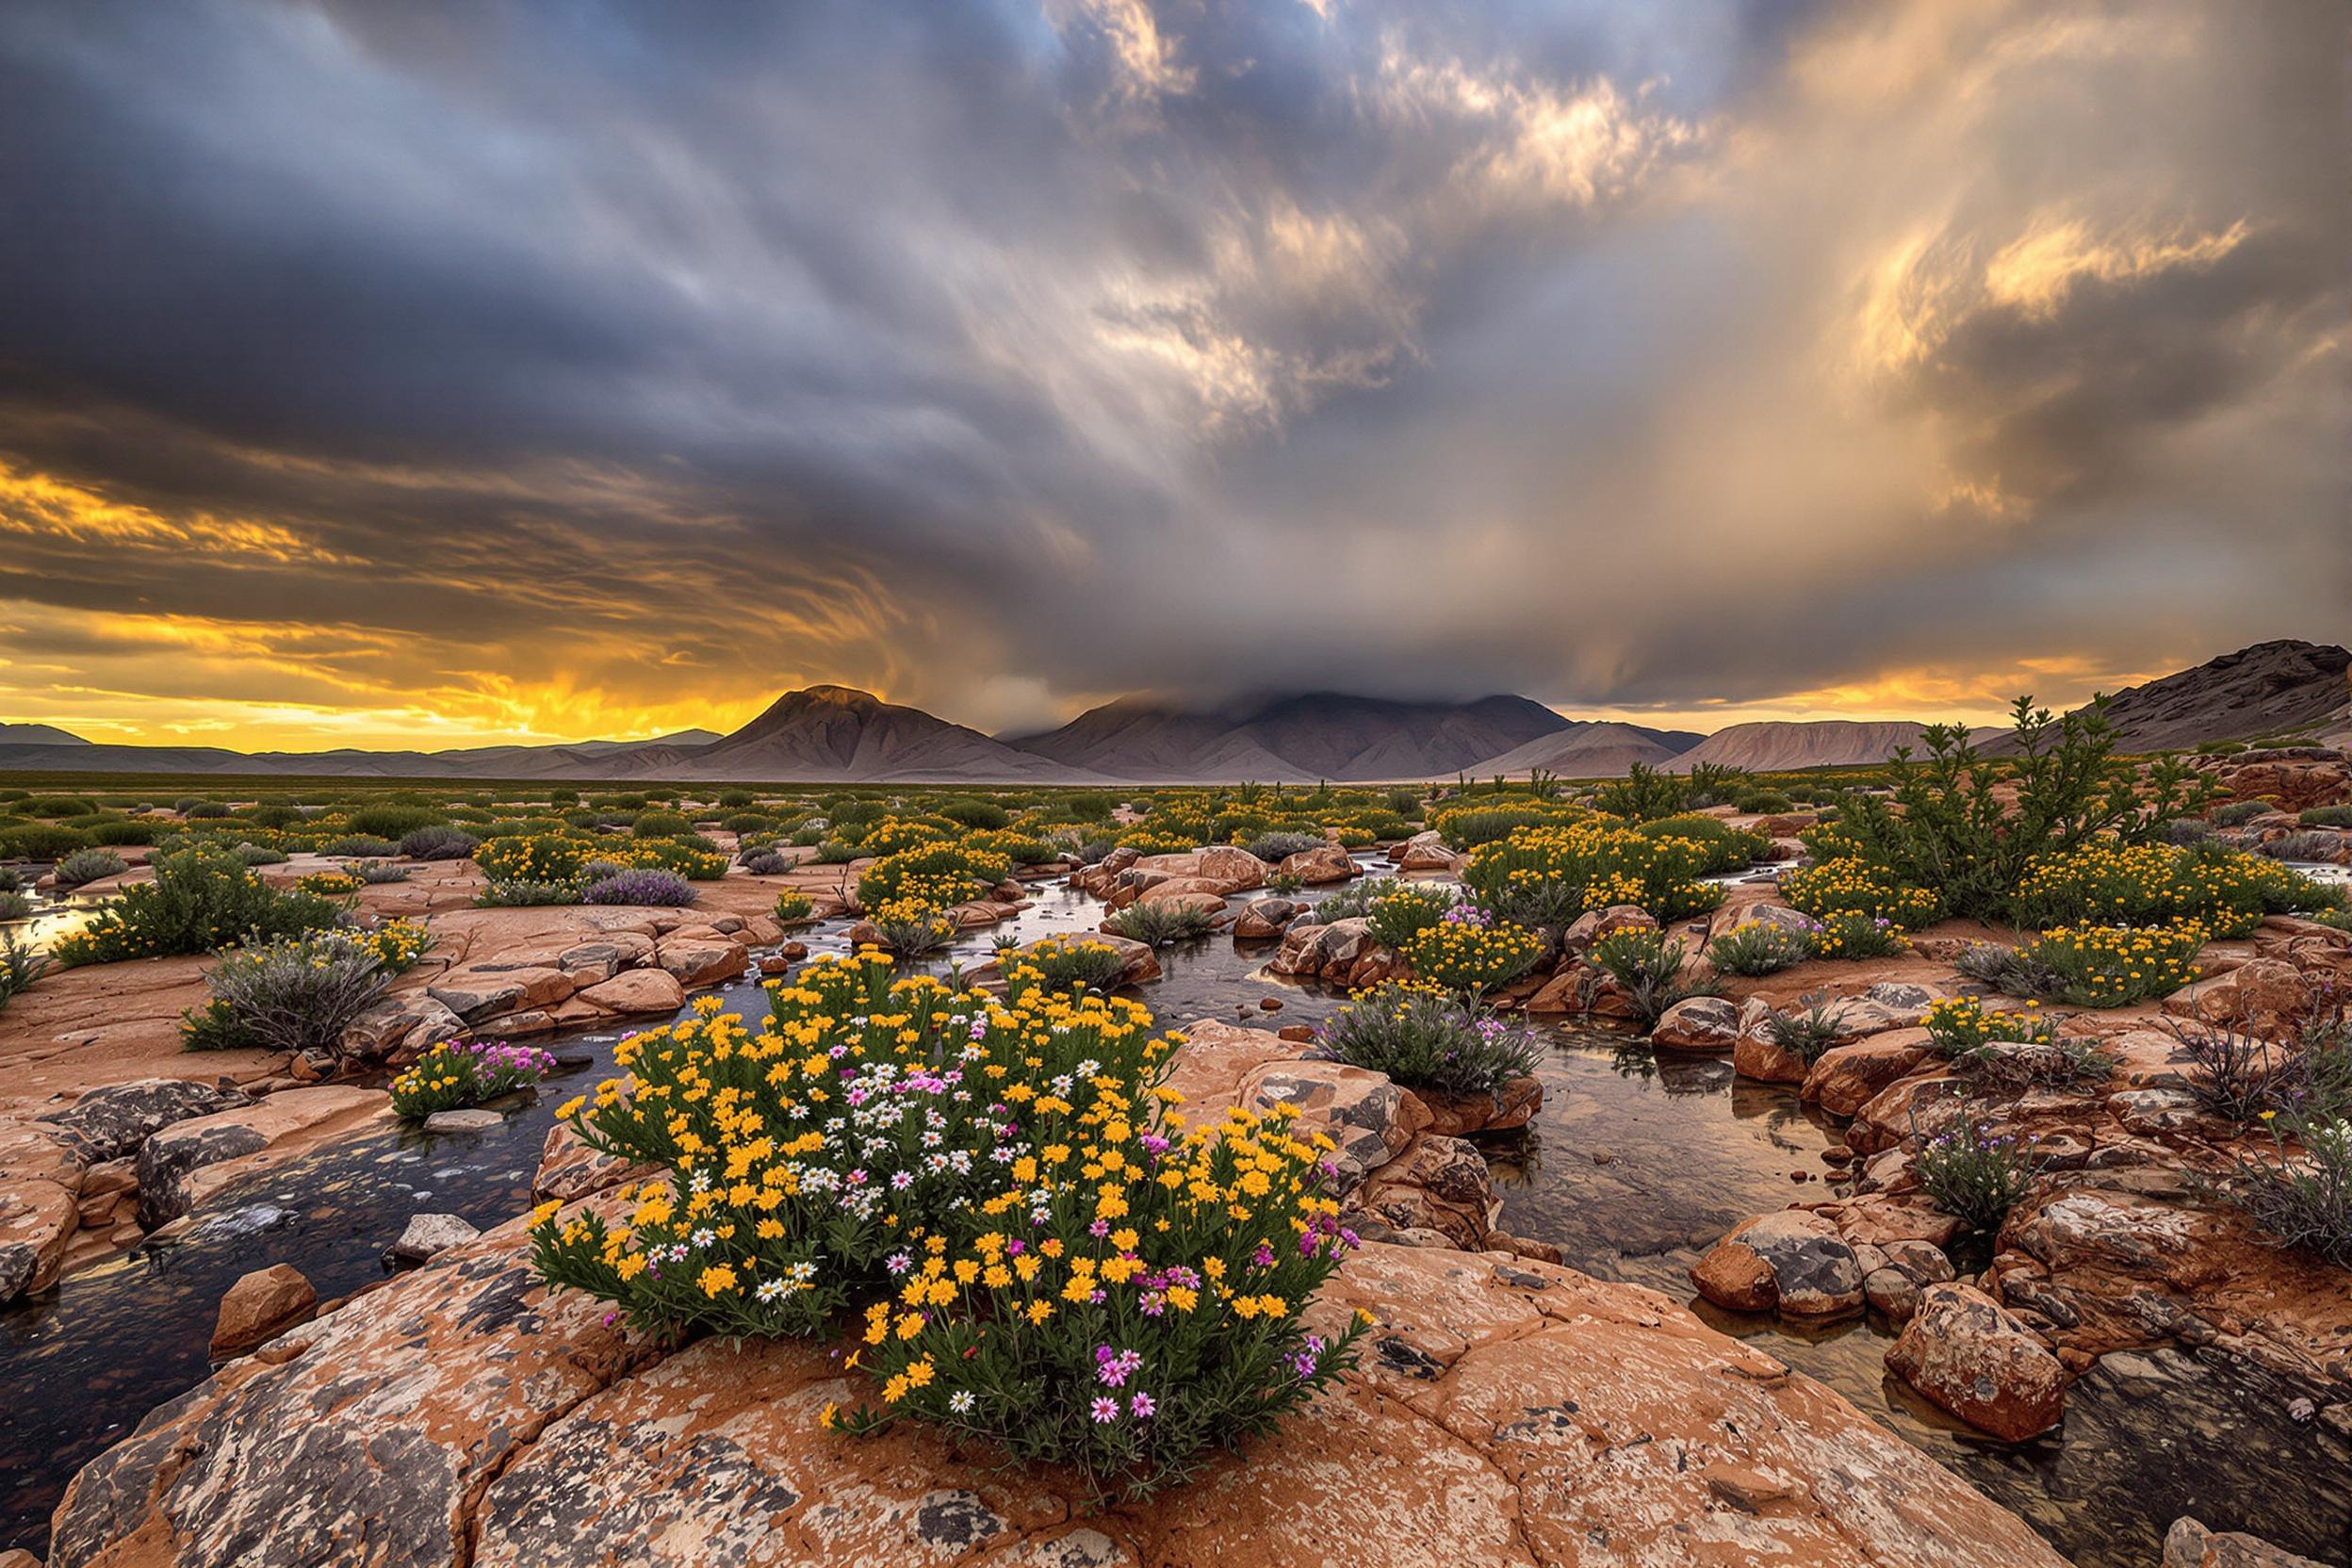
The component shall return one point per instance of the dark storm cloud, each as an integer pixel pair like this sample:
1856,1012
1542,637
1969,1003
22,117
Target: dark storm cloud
1006,354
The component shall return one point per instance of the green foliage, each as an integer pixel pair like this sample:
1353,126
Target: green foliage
660,825
2327,816
1972,1174
202,899
1806,1035
528,893
1427,1038
1949,828
20,966
392,820
1160,923
1649,969
793,906
41,841
296,993
1063,963
437,843
359,847
2237,813
972,811
455,1074
86,865
1643,794
1759,947
1397,919
121,831
2113,966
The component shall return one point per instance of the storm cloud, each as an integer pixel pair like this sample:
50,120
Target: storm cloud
549,369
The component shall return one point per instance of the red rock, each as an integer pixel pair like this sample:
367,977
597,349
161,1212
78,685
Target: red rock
1969,1356
1846,1077
636,992
260,1306
1697,1023
1735,1275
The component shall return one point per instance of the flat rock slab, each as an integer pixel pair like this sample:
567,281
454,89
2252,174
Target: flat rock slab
472,1119
427,1234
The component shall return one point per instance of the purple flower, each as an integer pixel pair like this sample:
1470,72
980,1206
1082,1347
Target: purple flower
1141,1406
1106,1409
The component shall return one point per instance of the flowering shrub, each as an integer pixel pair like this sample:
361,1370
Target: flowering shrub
1547,877
1973,1175
2113,966
1758,947
546,858
1472,953
202,899
2302,1200
1426,1038
331,883
1858,934
1160,923
457,1074
1721,846
793,906
912,927
1468,826
1156,841
1399,916
696,860
397,944
86,865
640,885
897,834
1963,1025
938,875
2148,884
1852,886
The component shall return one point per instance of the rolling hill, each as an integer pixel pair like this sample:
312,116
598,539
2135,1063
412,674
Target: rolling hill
1313,735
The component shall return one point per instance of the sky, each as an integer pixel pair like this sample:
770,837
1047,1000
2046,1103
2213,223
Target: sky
436,373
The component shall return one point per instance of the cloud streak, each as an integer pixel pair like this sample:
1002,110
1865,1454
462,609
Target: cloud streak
563,371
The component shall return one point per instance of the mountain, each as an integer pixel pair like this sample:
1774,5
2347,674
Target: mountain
1590,749
38,735
1285,738
1773,745
2268,689
834,733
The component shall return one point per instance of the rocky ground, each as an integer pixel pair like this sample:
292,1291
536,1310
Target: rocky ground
1507,1412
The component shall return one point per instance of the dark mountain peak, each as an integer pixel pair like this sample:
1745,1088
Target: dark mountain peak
818,703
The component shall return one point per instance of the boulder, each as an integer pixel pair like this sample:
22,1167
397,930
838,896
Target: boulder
637,992
1264,918
1968,1355
1594,925
1846,1077
1322,950
1794,1261
1440,1184
260,1306
109,1123
427,1234
1322,864
698,955
1697,1023
2190,1544
1369,1118
405,1023
1426,852
2266,996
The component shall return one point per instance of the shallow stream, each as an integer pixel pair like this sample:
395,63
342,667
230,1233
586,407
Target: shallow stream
1634,1165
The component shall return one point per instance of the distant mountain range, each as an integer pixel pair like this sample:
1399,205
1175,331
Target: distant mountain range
834,734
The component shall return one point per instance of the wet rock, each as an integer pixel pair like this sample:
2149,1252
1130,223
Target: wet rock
1967,1354
1426,852
1812,1271
471,1119
1698,1023
1439,1184
1316,950
107,1123
427,1234
637,992
1847,1077
1459,1115
2190,1544
186,1162
1736,1276
260,1306
698,955
1594,925
1262,918
1369,1118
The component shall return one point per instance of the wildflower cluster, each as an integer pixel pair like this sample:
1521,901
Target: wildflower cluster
458,1073
1064,962
1549,876
1853,886
2149,884
2113,966
1409,909
1973,1174
1044,1254
1473,954
331,883
1858,934
1960,1026
793,906
1758,947
397,944
939,875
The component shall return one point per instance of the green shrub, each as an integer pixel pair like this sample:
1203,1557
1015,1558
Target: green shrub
1273,848
437,843
57,805
793,906
1857,935
199,811
1427,1038
41,841
2301,1192
1759,947
258,854
391,821
121,831
2146,885
1466,828
86,865
359,847
1649,969
1120,1326
1951,826
1763,803
20,966
1806,1035
1160,923
1973,1175
1963,1026
2327,816
202,899
970,812
660,825
2237,813
296,993
938,874
528,893
1547,877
